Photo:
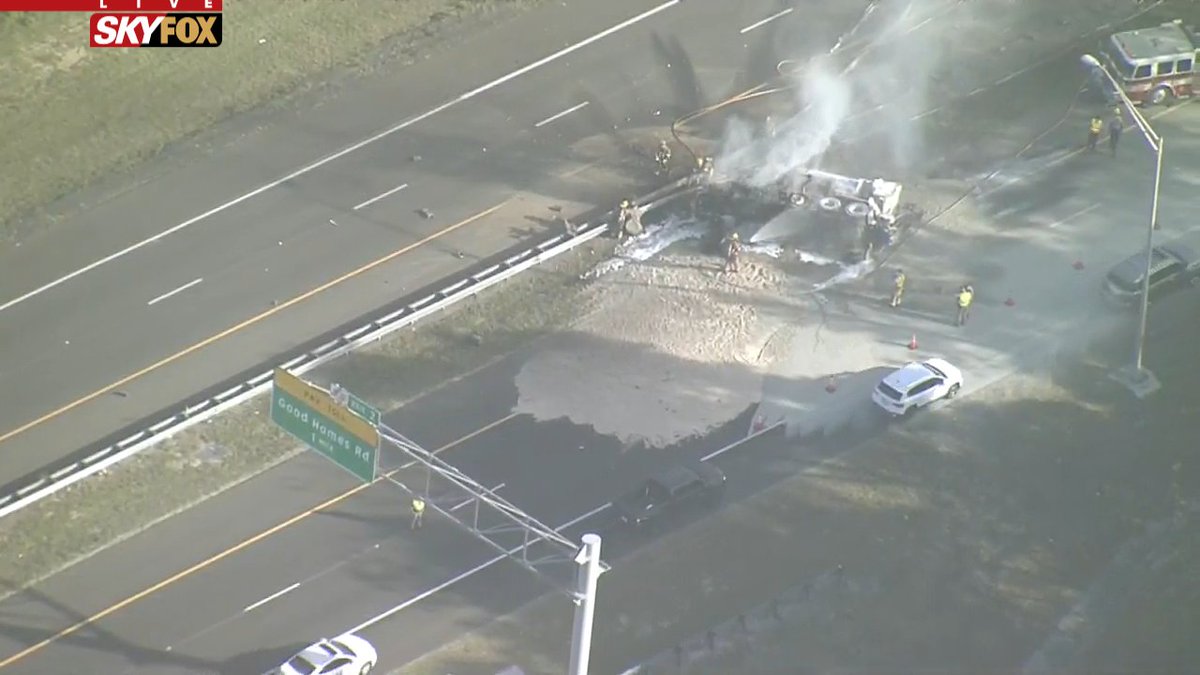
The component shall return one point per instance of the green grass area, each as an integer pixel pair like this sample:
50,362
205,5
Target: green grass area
220,453
70,114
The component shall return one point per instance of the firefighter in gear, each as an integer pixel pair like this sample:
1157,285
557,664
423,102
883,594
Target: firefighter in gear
623,215
629,219
733,252
662,157
418,512
1094,129
966,295
898,281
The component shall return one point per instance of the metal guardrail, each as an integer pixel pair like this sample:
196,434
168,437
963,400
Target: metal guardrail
189,415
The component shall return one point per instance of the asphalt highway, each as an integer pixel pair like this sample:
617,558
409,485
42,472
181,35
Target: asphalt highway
241,581
162,289
140,307
352,561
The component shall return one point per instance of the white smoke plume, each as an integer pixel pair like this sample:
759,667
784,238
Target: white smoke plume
874,80
762,159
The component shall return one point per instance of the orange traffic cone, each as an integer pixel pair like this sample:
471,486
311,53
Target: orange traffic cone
758,425
912,344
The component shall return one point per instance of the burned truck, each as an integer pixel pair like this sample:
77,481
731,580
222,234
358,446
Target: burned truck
838,216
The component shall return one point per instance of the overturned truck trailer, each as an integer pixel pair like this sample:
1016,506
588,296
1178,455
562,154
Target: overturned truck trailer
815,200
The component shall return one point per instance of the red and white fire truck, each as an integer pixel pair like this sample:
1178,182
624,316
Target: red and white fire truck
1153,65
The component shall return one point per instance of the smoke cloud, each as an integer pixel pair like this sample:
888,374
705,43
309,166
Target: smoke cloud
870,85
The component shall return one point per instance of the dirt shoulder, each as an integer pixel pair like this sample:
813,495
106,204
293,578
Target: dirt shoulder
74,114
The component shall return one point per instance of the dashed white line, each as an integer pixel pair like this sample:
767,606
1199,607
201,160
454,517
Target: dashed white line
1073,216
569,49
560,115
260,603
376,198
769,19
181,289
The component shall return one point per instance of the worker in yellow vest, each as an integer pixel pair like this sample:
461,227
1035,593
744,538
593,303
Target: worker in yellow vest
966,295
1094,129
898,282
418,512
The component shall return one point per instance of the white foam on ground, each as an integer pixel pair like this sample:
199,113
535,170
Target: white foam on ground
848,273
654,240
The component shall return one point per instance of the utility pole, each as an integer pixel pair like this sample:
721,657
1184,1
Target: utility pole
588,559
1135,376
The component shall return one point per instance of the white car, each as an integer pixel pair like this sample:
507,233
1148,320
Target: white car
343,655
916,385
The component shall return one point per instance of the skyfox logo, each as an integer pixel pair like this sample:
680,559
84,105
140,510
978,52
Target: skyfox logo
156,30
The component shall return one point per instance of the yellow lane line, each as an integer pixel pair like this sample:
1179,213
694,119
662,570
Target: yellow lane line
245,324
204,564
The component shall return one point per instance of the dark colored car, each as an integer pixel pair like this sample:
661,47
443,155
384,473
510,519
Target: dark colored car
1173,265
673,490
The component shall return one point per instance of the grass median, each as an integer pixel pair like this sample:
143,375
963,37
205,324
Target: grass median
220,453
70,114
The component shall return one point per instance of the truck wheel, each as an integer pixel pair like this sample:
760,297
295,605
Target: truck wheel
1161,96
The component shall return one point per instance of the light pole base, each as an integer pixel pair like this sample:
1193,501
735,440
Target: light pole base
1140,381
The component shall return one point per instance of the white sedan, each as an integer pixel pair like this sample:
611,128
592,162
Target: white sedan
343,655
917,385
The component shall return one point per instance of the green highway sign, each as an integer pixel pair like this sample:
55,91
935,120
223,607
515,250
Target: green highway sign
316,419
355,404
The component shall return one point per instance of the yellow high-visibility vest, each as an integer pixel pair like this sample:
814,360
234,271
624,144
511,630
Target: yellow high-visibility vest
964,299
1096,125
418,506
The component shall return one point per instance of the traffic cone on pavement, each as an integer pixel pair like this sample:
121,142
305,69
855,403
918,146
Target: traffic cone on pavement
912,343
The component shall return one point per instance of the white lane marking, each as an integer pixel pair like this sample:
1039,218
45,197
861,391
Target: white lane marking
1073,216
468,501
720,451
562,114
376,198
345,151
469,573
181,289
260,603
766,21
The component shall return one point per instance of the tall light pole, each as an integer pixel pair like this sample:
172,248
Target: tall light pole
1140,381
588,559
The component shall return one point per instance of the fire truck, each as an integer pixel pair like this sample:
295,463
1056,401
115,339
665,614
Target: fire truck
1154,66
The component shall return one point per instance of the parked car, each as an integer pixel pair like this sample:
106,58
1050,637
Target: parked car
342,655
675,489
1173,265
917,385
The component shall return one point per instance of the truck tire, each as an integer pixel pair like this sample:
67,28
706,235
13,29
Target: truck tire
1161,96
